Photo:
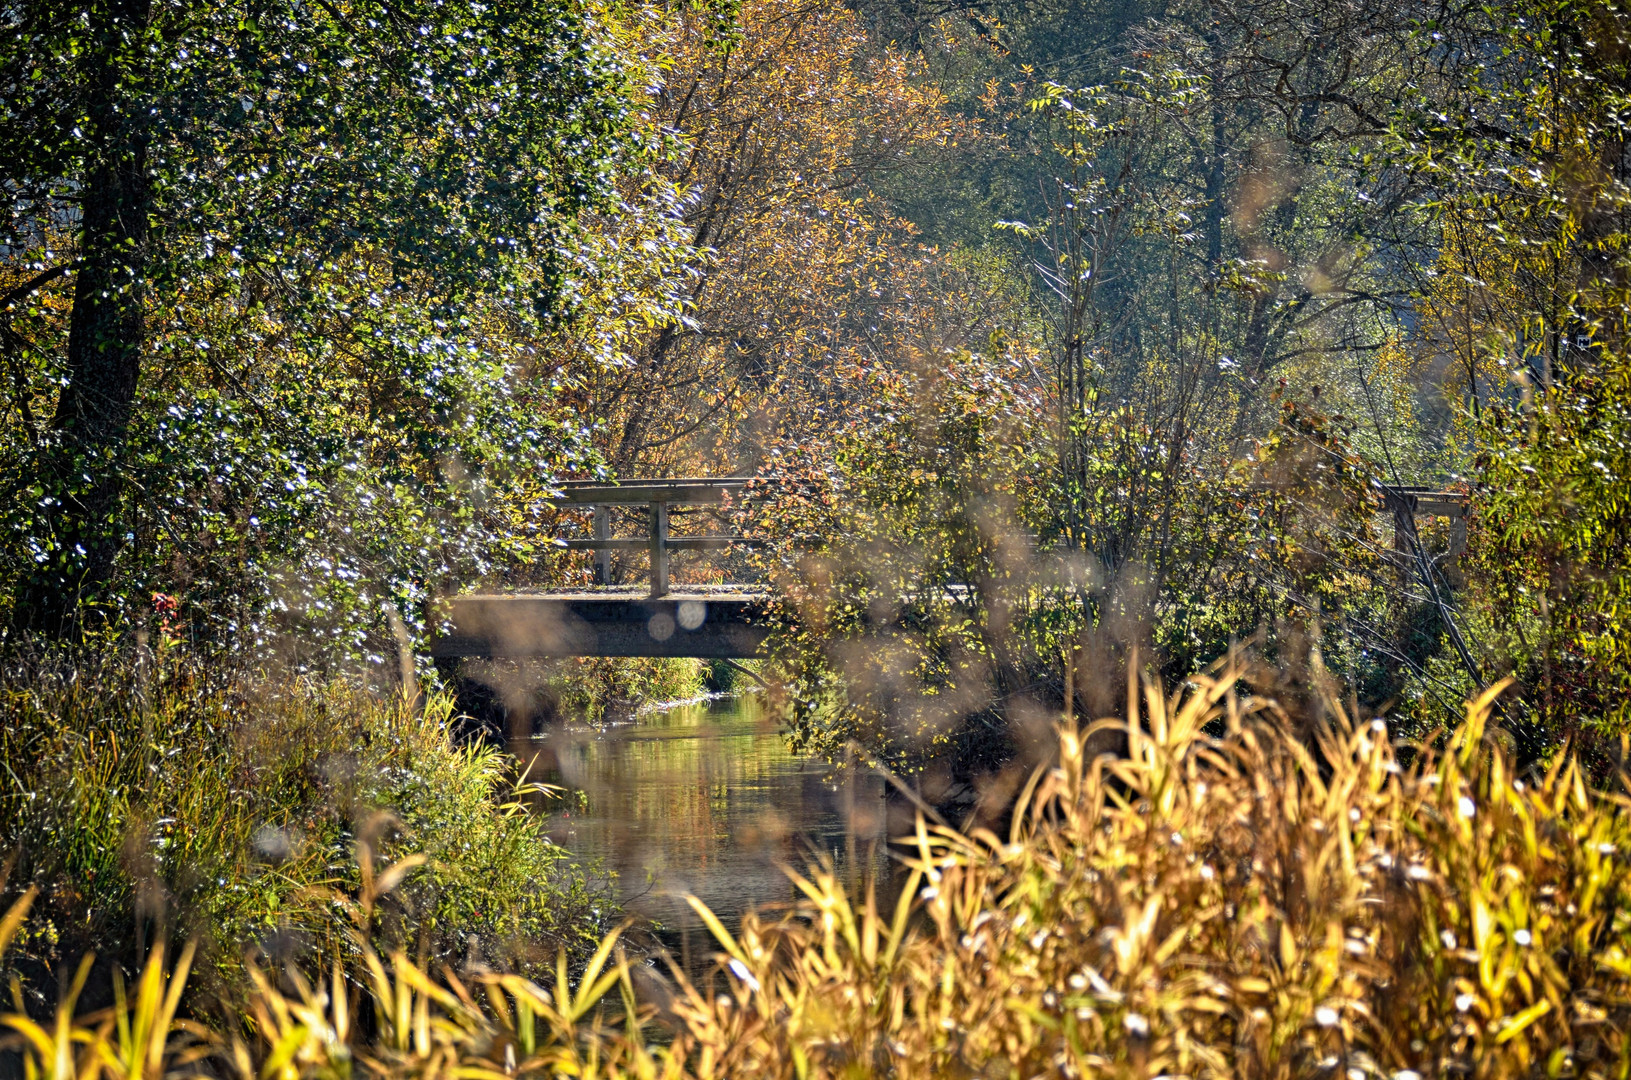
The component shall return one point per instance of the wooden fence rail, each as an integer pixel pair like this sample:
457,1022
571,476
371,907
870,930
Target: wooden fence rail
657,496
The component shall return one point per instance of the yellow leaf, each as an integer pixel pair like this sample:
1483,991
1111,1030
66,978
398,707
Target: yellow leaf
1517,1023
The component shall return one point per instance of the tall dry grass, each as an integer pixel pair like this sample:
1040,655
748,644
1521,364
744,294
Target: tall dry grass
1223,900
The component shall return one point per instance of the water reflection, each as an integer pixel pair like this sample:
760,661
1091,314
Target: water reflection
706,799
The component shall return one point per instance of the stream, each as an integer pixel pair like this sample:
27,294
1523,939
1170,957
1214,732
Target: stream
705,798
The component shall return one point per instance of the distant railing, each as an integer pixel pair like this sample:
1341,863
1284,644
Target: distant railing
1403,502
1408,503
658,496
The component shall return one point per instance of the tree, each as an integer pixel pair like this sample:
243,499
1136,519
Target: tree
906,613
151,144
1522,145
779,131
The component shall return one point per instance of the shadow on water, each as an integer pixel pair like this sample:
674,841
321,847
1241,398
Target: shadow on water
706,799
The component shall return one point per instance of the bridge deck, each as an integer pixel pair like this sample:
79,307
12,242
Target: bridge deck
709,623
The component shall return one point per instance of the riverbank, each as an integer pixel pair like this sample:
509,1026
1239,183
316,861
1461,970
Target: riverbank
1219,903
247,815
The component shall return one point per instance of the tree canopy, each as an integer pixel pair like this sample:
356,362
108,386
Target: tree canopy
1076,337
393,167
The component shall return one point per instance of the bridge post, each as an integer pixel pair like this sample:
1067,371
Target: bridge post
659,549
603,555
1409,503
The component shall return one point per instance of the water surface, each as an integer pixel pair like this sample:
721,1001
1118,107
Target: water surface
706,798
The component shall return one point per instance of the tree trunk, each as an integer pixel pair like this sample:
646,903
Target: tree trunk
82,471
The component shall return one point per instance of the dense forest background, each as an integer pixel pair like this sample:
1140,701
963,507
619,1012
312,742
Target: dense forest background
1122,315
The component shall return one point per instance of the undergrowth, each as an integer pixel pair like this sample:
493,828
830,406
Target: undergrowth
1225,899
146,801
517,698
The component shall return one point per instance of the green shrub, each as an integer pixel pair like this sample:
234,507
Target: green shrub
594,687
143,801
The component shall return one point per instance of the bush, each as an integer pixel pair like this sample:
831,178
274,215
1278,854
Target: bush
932,577
515,698
149,800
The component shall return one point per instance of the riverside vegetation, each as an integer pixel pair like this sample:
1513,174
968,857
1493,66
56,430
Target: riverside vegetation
225,811
1069,345
1224,899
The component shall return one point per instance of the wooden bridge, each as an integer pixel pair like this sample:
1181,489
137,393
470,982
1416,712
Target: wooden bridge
712,622
1409,503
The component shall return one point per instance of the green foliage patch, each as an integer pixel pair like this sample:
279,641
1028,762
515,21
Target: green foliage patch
149,799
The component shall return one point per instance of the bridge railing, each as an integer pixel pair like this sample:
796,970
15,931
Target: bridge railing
658,496
1407,503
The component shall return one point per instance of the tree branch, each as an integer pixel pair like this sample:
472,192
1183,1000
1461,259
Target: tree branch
34,284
